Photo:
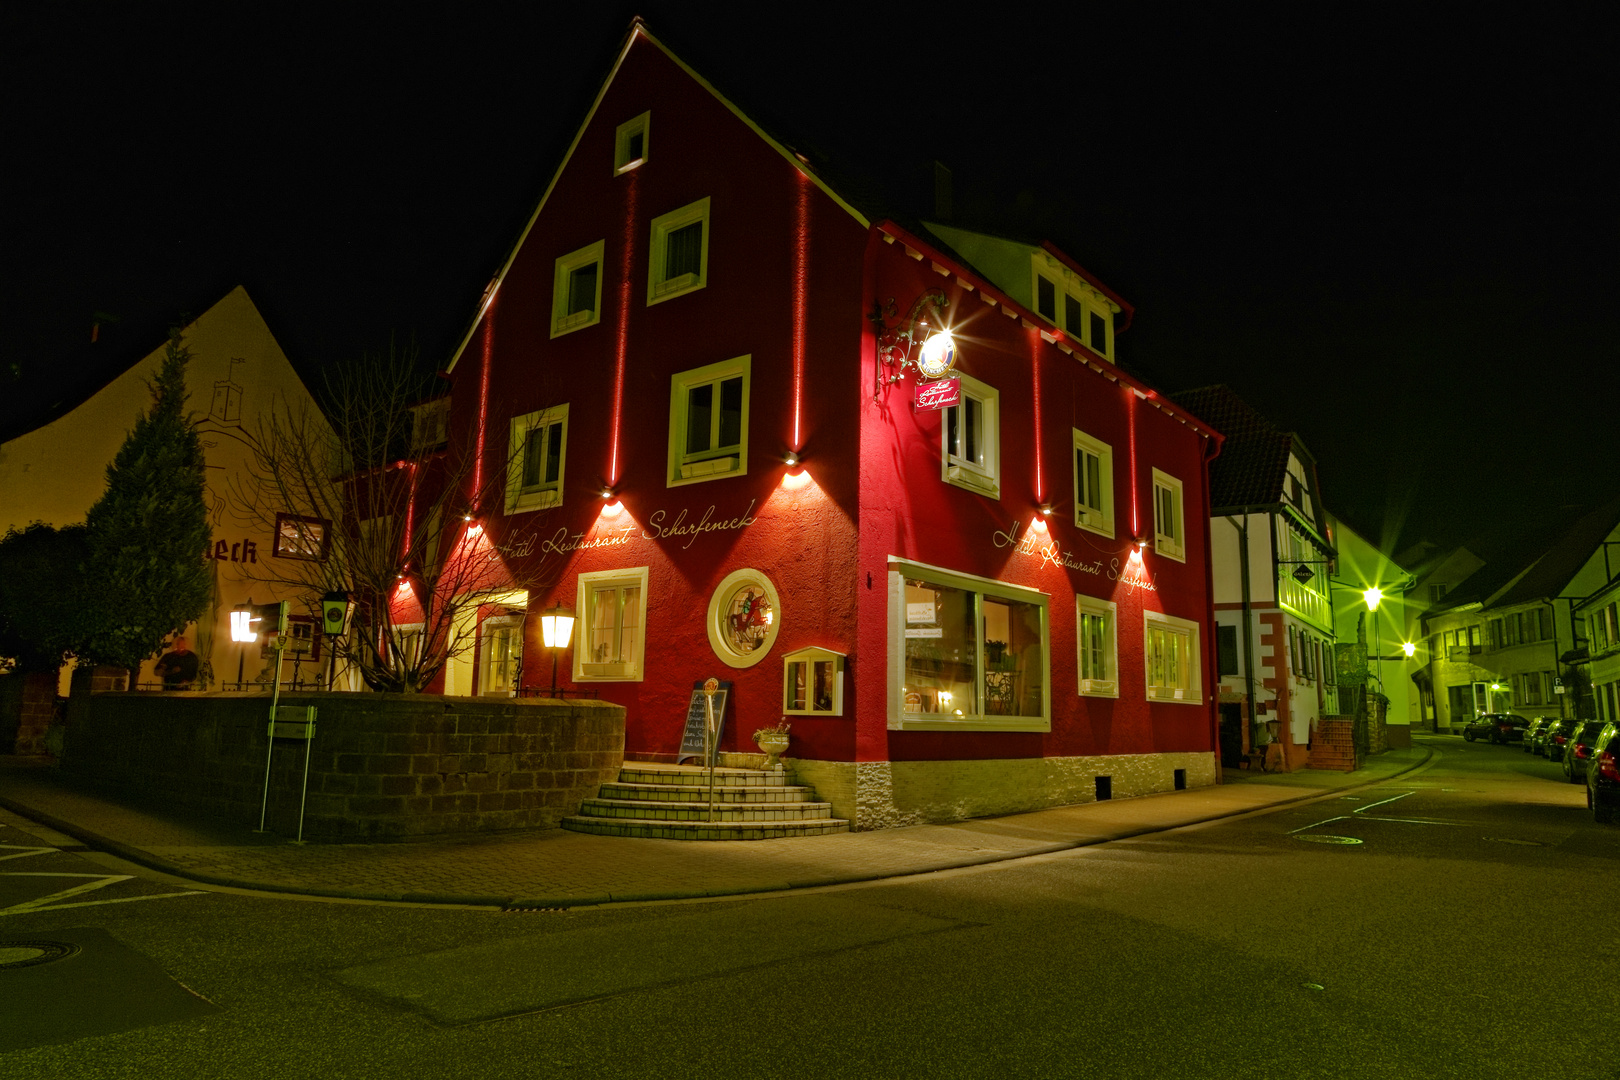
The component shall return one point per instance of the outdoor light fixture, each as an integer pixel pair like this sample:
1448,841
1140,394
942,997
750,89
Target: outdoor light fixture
1372,596
1046,509
242,619
924,324
556,630
1409,649
790,459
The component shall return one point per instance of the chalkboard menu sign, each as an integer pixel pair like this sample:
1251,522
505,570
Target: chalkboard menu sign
696,717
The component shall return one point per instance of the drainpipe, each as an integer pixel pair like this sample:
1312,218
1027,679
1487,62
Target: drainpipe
1212,668
1248,618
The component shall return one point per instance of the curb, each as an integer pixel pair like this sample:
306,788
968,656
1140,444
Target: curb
141,857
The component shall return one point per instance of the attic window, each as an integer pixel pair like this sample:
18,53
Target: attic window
630,144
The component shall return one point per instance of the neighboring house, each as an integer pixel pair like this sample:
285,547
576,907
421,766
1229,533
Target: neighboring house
1497,641
55,472
1383,627
689,372
1272,571
1597,627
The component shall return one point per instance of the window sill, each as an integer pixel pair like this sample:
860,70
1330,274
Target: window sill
607,673
535,500
675,286
970,723
579,320
1099,688
1169,550
1166,696
1092,521
972,480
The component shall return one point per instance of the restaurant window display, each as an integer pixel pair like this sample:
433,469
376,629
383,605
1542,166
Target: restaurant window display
969,653
813,683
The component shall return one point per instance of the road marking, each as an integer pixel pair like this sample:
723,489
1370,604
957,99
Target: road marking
1323,838
98,881
19,852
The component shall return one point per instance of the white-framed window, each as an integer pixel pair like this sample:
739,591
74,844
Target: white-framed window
813,683
1171,658
679,258
1095,640
610,633
1169,523
537,459
1093,484
630,143
970,439
576,291
745,615
966,653
708,422
299,537
1069,302
500,655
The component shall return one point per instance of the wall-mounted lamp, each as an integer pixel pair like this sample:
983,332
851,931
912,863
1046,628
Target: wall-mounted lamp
1373,596
1409,649
924,324
790,459
1046,509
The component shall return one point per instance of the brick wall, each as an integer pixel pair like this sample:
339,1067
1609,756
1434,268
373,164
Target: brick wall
382,766
1334,747
27,706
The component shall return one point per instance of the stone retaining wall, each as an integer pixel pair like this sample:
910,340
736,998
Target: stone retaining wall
382,766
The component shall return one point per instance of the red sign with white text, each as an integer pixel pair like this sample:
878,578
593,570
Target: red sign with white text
939,395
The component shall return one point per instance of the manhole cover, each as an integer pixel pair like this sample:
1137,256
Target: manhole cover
17,954
1329,839
1510,840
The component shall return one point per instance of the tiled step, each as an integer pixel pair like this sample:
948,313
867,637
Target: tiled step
703,830
651,773
682,792
699,811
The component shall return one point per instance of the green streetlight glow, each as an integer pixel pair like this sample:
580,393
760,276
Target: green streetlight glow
1373,596
1409,649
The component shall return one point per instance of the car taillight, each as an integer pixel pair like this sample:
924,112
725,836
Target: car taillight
1560,739
1606,767
1582,750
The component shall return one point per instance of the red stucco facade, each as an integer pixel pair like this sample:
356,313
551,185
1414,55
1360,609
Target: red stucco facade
792,275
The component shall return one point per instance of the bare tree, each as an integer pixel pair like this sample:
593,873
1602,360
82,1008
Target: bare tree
373,500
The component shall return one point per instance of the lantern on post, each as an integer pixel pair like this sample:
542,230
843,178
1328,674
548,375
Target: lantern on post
556,630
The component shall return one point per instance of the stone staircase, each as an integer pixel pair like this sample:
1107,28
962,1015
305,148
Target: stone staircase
671,802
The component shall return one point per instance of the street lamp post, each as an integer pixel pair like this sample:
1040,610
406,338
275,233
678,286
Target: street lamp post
557,630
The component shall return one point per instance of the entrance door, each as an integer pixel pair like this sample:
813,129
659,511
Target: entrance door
1231,734
500,655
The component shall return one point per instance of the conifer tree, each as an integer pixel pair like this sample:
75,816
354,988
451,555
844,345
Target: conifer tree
147,533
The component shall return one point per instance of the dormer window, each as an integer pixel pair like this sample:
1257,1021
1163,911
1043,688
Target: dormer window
1070,303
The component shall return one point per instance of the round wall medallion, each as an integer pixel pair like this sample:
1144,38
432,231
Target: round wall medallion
744,616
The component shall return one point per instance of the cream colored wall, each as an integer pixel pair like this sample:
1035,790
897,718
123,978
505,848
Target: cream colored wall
55,473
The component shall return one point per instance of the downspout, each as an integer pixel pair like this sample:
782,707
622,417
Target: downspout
1212,450
1248,618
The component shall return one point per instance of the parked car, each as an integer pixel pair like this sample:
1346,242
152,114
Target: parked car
1499,727
1554,738
1537,724
1578,751
1603,777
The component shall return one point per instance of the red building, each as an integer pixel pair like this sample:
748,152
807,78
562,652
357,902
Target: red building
715,454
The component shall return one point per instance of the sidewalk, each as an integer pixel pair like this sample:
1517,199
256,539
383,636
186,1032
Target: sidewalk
556,868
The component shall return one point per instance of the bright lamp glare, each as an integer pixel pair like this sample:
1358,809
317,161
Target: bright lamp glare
938,354
242,626
1409,649
1373,596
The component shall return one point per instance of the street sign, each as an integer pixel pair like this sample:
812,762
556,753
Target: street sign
1303,573
293,722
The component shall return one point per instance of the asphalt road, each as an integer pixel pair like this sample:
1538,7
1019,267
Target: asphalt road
1468,934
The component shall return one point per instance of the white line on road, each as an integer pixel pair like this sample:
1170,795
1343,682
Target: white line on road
99,881
18,851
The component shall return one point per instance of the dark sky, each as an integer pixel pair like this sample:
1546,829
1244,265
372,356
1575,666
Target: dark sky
1392,231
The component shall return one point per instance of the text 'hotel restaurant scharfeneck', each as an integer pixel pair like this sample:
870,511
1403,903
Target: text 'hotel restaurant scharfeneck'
971,571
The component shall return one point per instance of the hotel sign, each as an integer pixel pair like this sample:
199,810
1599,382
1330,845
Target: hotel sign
942,394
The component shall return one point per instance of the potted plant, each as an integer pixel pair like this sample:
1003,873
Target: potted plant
774,741
993,651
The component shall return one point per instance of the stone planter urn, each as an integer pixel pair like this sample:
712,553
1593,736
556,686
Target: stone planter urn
774,741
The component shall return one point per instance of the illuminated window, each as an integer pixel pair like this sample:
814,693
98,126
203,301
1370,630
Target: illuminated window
968,653
610,635
679,257
536,460
1169,525
813,683
1093,484
1098,654
708,422
1171,658
630,144
970,440
302,537
744,618
576,292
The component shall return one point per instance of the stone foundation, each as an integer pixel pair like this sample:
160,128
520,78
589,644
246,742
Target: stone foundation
886,794
27,707
382,766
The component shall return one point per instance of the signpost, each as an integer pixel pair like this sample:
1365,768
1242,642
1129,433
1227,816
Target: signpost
694,740
292,722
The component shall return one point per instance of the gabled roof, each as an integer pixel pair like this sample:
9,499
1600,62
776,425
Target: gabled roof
1551,574
1253,466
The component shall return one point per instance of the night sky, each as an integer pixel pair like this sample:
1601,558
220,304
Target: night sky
1393,234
